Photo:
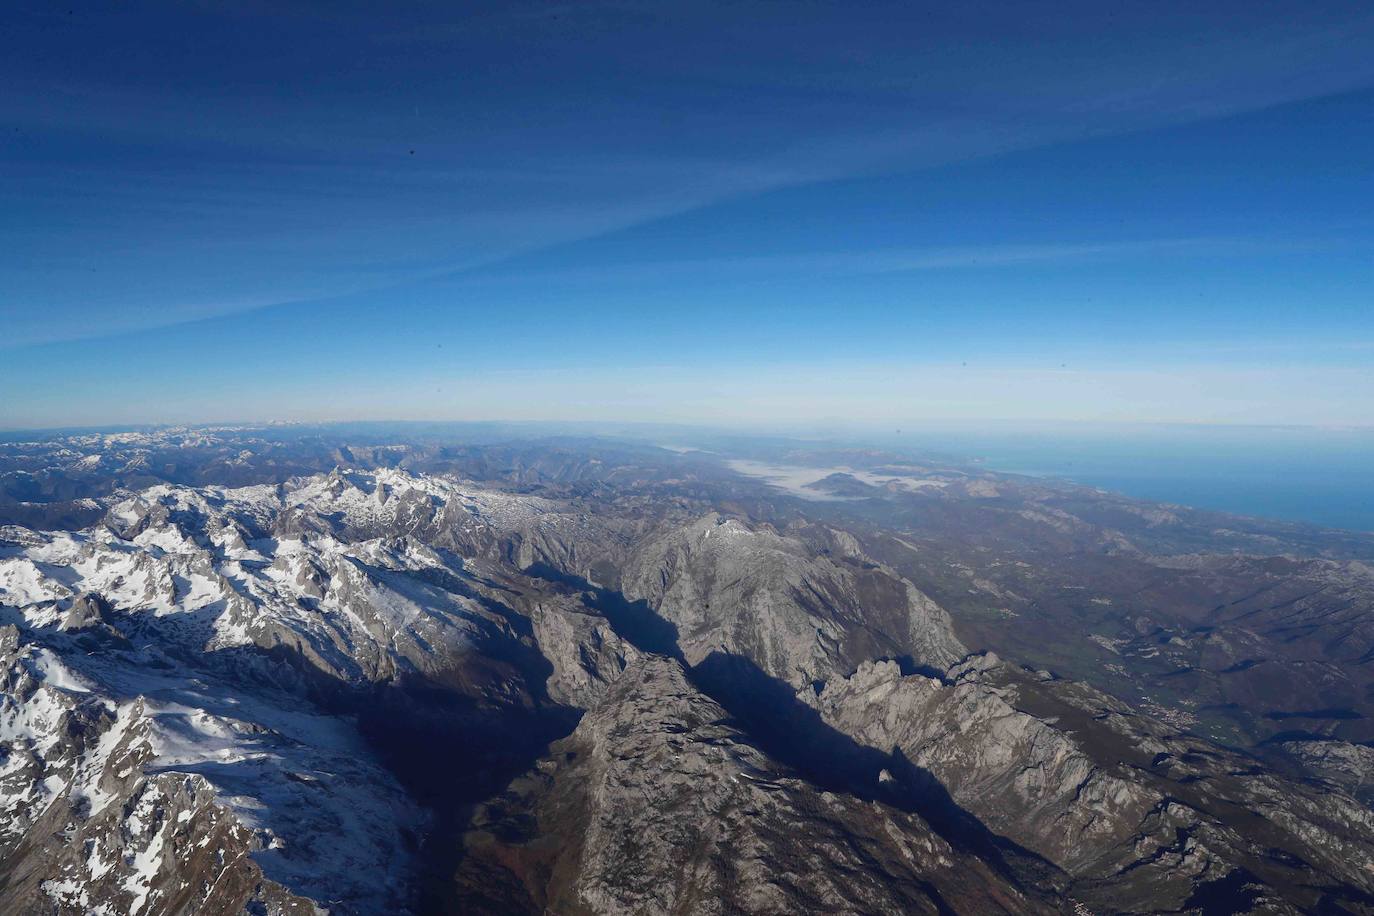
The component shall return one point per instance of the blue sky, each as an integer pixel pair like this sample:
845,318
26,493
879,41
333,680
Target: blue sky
755,213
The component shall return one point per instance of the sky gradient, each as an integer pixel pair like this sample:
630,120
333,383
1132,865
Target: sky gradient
752,213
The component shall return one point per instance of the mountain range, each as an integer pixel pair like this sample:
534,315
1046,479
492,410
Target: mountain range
282,670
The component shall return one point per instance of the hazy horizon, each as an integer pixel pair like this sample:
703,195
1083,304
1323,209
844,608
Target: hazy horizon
823,427
1322,476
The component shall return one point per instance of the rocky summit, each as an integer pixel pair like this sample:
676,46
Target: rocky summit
244,673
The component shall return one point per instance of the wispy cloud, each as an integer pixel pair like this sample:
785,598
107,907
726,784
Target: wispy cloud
235,195
877,261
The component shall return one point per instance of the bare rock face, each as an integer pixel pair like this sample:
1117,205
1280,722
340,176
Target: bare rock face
1350,766
800,617
586,653
1139,815
656,804
1025,778
87,611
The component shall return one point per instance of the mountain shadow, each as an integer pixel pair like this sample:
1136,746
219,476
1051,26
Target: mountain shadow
768,711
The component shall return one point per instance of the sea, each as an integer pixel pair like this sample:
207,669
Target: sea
1318,475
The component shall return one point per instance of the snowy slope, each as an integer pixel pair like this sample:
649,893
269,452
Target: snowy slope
151,756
